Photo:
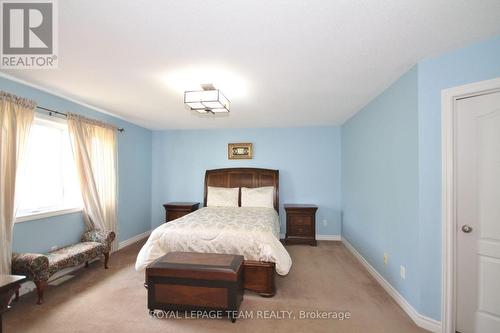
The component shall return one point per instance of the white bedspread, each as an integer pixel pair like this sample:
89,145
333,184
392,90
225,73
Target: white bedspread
251,232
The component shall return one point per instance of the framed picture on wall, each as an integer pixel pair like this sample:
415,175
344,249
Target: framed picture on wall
239,151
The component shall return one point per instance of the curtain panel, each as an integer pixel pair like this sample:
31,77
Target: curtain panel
95,152
16,117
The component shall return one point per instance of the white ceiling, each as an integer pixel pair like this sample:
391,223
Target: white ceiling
281,62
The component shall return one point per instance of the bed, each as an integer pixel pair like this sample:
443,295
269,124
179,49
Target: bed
249,231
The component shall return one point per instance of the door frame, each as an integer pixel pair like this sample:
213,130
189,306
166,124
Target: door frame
449,98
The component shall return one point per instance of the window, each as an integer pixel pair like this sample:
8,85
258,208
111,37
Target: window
48,182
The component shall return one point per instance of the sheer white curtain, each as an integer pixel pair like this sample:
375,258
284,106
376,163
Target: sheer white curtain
16,117
95,151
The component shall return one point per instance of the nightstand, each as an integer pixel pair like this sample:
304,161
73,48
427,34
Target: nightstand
174,210
300,224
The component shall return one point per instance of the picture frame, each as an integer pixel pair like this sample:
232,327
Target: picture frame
239,151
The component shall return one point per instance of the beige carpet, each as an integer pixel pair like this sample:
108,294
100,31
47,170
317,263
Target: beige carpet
323,278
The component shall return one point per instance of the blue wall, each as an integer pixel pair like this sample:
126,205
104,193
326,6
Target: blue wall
380,183
134,181
475,63
308,160
391,172
389,204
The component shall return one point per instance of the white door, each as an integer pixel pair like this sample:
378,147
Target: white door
478,214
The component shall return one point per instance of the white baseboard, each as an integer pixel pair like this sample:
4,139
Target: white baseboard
133,240
419,319
322,237
328,237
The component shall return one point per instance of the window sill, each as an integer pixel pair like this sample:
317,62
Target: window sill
42,215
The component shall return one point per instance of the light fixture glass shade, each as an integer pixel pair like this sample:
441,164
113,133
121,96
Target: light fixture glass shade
195,105
212,105
209,101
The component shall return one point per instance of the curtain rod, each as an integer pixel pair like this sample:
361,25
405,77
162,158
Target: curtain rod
50,111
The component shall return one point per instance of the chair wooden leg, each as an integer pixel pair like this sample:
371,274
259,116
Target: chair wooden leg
86,264
17,294
40,288
106,259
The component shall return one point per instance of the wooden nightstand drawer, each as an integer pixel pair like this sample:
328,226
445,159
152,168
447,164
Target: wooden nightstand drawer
300,230
300,224
174,210
301,219
175,214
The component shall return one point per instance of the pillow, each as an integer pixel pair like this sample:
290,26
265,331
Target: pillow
222,196
257,197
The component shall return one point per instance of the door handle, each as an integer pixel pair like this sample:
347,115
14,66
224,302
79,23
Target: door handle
466,228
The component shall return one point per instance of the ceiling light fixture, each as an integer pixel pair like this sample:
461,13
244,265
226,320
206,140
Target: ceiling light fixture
208,100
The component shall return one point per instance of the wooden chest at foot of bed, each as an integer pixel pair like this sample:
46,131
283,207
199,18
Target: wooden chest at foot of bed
186,281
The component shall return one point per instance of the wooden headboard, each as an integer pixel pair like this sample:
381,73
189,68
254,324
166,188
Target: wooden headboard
243,177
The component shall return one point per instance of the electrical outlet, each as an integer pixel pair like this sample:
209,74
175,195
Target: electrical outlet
386,258
325,222
402,272
54,248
